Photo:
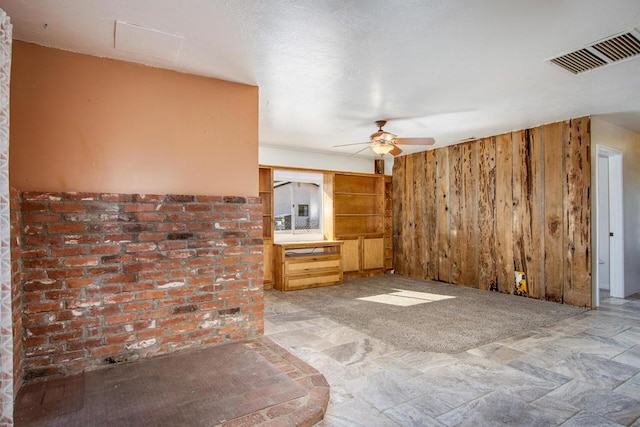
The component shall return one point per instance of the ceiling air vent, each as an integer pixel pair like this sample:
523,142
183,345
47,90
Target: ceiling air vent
608,51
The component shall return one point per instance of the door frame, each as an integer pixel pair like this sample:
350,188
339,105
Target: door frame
616,224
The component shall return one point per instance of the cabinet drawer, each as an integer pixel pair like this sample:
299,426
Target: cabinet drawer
302,266
309,281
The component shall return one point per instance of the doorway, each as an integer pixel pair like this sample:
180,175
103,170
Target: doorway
609,238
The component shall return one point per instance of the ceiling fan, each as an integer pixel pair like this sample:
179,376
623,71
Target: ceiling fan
382,142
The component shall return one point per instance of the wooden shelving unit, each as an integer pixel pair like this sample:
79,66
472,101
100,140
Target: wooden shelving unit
302,265
265,190
358,205
359,220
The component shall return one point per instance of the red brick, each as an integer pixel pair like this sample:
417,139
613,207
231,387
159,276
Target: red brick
66,228
113,339
133,268
83,323
103,290
149,217
120,278
147,237
32,207
137,286
154,314
41,263
147,256
106,350
118,298
40,307
183,327
83,303
42,285
172,245
140,247
64,251
137,306
82,344
174,320
67,207
68,356
146,334
33,253
99,271
119,318
62,293
66,336
170,301
81,261
40,217
140,207
105,249
181,254
77,283
150,295
117,259
119,238
81,239
171,226
45,329
168,264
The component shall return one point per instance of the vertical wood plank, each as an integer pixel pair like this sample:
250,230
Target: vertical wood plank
527,202
487,273
553,211
455,213
577,283
504,214
398,189
536,209
467,228
431,215
442,207
418,264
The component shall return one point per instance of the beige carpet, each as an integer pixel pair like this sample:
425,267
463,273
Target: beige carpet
425,315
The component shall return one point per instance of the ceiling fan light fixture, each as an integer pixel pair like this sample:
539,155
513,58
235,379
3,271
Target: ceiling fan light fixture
382,136
381,148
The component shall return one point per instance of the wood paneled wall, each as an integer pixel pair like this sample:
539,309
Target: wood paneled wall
472,214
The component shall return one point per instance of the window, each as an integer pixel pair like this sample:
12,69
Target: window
297,205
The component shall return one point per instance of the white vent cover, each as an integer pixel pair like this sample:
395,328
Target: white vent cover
608,51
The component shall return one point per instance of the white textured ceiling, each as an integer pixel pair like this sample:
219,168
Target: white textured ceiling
327,69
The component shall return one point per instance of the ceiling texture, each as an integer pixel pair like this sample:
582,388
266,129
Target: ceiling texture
328,69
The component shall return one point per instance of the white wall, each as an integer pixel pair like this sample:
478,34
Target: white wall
608,135
280,156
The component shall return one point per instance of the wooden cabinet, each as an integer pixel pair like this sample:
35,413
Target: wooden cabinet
363,253
303,265
359,220
265,189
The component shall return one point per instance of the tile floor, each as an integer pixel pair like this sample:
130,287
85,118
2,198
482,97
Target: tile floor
583,371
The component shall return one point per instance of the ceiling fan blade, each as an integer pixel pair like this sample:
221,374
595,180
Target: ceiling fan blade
415,141
357,152
354,143
395,151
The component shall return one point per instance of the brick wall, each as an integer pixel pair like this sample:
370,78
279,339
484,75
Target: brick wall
16,289
115,277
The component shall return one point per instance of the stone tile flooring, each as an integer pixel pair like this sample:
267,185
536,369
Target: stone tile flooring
583,371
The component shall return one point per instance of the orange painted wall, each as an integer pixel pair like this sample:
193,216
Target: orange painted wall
82,123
